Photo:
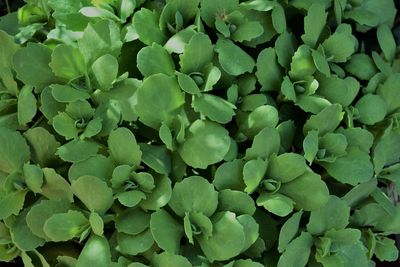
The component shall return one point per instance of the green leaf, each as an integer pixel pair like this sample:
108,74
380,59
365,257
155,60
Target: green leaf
371,109
289,230
286,167
269,73
155,59
361,66
26,105
228,238
77,150
260,118
297,252
93,192
132,221
285,46
135,244
308,191
206,143
340,45
65,226
123,147
166,137
156,157
187,84
302,64
276,203
64,125
96,223
11,203
41,212
99,39
32,65
353,168
146,25
314,24
131,198
160,195
105,71
386,41
166,231
229,176
211,9
253,172
321,63
215,108
250,228
167,259
389,92
96,252
386,249
10,142
196,194
279,18
33,175
265,143
98,165
67,94
233,59
55,187
197,54
325,121
334,215
67,62
310,145
235,201
155,106
337,90
176,44
22,236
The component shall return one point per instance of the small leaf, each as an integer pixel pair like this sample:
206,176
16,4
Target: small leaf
155,59
67,62
314,24
215,108
65,226
289,231
253,172
96,252
371,108
146,25
386,41
77,150
26,105
269,73
276,203
192,60
124,148
135,244
286,167
297,252
97,224
105,71
279,18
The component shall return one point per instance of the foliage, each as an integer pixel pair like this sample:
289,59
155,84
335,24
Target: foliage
199,133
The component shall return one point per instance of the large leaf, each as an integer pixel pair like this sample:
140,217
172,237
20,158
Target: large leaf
123,147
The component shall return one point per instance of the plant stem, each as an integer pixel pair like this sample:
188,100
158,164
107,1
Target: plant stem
8,7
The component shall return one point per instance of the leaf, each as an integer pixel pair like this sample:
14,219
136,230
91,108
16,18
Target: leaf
389,91
67,62
297,252
99,39
253,172
96,252
337,90
215,108
132,221
195,194
310,145
314,24
32,65
229,176
146,25
321,63
386,41
155,59
167,259
308,191
105,71
67,94
269,73
135,244
276,203
123,147
21,235
265,143
210,9
65,126
156,157
160,195
353,168
302,64
233,59
361,66
26,105
260,118
65,226
386,249
55,187
235,201
155,106
250,228
96,223
289,230
41,212
33,175
166,231
187,84
98,165
325,121
371,108
43,145
334,215
340,45
93,192
285,46
286,167
228,238
131,198
206,143
192,60
11,203
77,150
10,142
279,18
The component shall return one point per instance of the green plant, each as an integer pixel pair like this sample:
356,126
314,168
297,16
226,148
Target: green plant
199,133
